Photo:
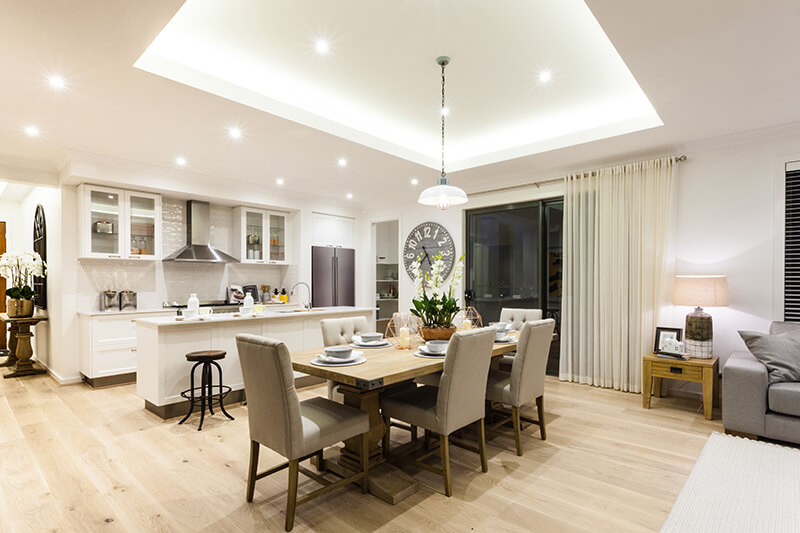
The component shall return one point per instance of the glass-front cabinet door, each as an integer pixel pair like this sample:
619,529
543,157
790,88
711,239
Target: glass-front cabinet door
255,222
104,228
277,237
143,215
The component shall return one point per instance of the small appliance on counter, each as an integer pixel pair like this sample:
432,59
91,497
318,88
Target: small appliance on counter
127,300
109,301
252,290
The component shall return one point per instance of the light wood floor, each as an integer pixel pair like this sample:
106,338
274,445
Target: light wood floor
76,459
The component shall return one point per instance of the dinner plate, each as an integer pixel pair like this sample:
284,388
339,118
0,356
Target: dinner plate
419,353
351,362
374,344
507,340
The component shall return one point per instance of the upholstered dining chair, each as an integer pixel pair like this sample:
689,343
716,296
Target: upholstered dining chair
296,430
457,402
516,317
525,382
336,331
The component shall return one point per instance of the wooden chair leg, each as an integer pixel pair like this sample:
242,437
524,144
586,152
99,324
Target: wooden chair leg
386,437
517,429
365,463
413,433
253,471
321,461
291,497
482,445
444,447
427,440
540,409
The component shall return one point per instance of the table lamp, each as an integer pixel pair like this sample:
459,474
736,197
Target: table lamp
700,291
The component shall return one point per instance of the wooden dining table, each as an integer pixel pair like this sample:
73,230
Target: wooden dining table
362,386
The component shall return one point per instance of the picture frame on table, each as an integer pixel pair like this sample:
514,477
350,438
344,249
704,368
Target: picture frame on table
668,341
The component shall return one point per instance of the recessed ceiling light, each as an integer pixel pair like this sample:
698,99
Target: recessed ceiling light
180,161
414,181
234,133
56,82
445,111
349,196
545,76
322,46
279,181
342,162
31,131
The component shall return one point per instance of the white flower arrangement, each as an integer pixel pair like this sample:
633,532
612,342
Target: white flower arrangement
435,304
20,268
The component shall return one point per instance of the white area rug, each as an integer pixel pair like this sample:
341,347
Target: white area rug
739,485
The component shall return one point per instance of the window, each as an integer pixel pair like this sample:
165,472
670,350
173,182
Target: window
791,273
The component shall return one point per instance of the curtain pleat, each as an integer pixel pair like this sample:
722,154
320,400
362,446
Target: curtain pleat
616,224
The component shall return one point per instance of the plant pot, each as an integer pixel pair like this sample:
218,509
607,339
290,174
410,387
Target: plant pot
437,334
19,308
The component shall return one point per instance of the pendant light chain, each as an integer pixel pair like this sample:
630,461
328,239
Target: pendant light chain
442,112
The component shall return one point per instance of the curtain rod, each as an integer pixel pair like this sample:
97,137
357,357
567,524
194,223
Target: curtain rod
677,159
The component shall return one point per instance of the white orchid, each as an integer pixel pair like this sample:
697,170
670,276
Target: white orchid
435,304
19,268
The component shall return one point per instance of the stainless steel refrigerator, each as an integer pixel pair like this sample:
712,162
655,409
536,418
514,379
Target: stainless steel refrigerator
333,276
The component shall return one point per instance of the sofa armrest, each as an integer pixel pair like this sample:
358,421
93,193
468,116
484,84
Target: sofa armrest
744,394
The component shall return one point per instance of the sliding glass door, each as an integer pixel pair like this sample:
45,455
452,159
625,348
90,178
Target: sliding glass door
514,259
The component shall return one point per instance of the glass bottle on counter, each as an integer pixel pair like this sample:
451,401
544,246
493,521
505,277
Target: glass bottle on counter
284,296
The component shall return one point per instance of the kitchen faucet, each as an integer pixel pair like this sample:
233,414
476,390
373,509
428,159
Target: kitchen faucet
291,292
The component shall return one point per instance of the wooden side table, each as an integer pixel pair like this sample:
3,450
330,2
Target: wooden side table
705,371
20,345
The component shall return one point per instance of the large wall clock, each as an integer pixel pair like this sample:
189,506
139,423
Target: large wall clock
428,240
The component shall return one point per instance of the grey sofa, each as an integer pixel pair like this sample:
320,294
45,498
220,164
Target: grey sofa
750,406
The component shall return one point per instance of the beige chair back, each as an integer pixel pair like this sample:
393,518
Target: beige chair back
462,387
530,363
517,317
337,331
272,403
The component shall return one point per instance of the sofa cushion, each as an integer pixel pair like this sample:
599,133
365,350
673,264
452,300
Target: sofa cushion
785,398
779,353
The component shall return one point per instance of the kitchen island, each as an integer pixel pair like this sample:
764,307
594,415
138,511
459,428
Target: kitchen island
162,343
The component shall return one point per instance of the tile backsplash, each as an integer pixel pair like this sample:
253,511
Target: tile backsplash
156,282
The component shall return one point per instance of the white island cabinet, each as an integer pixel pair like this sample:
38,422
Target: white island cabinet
162,344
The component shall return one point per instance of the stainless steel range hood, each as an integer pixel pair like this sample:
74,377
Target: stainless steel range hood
198,232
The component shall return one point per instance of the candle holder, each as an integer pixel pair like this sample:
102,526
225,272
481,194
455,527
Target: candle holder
403,331
468,313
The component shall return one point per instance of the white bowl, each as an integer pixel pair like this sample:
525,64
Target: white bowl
500,334
500,326
436,346
371,337
338,352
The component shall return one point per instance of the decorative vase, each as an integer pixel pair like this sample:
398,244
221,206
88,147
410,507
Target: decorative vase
19,308
437,334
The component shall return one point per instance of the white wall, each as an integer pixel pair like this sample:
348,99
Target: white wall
10,214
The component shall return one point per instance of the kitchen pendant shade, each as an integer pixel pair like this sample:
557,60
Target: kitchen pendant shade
442,195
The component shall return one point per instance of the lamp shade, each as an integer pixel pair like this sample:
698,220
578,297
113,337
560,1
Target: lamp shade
442,195
701,291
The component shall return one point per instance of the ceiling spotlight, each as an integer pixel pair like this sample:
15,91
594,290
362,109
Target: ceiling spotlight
279,181
31,131
445,111
56,82
321,46
234,133
110,196
342,162
414,181
180,161
349,196
545,76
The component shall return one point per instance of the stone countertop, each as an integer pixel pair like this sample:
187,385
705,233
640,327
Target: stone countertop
127,312
217,318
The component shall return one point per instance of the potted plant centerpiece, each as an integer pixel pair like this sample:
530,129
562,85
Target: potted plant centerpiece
19,269
435,304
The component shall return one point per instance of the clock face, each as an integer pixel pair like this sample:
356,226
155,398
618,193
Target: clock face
428,240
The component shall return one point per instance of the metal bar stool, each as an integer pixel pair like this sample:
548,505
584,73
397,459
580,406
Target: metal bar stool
207,358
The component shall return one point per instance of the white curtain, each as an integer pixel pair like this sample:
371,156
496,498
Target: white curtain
616,224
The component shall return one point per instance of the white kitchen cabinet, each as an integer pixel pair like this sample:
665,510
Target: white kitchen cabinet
332,230
119,224
108,344
260,236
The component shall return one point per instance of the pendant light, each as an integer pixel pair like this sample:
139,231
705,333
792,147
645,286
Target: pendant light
442,195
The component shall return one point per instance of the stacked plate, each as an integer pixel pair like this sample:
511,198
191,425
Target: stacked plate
423,351
359,342
354,358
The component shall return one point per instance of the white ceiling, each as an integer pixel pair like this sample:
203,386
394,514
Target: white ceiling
379,84
709,68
